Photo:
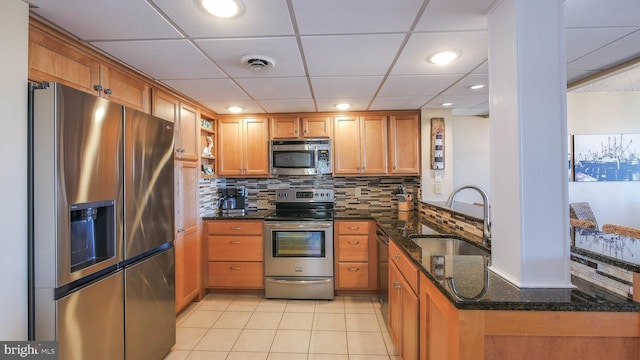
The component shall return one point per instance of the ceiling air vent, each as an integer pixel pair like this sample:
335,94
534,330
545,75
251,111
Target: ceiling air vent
258,62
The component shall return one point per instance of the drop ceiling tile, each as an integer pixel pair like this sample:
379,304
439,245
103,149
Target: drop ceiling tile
459,102
228,53
414,85
472,44
447,15
357,104
259,17
158,58
286,106
482,68
276,88
398,102
598,13
355,55
345,86
461,88
106,20
220,107
581,42
355,16
208,89
610,55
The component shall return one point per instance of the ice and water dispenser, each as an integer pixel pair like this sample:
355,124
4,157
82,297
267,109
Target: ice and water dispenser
92,236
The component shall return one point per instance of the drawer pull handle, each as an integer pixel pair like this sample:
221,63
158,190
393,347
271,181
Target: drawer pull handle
353,242
237,242
234,268
397,256
354,227
353,269
234,228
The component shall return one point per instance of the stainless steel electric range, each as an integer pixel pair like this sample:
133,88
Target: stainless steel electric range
298,246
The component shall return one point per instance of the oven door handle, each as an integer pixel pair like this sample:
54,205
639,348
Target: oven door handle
298,282
296,226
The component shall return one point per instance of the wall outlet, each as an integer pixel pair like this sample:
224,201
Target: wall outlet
437,188
358,192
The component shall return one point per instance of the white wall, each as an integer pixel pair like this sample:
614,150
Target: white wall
14,31
472,156
606,113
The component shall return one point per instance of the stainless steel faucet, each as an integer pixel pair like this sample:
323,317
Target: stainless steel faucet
486,223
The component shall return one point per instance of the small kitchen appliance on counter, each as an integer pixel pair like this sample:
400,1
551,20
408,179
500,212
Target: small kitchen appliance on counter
232,201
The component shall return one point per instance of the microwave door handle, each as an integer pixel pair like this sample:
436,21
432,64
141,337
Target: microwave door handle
315,159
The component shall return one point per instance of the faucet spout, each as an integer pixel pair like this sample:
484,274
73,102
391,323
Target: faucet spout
486,222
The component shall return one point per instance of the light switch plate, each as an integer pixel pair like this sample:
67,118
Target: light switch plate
437,188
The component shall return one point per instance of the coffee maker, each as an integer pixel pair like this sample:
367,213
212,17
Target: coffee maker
232,200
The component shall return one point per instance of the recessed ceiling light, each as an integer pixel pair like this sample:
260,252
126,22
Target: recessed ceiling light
234,109
447,104
343,106
222,8
444,57
476,86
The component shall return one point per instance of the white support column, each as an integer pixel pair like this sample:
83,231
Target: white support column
527,74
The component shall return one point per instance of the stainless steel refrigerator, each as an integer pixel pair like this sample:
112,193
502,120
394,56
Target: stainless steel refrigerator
101,214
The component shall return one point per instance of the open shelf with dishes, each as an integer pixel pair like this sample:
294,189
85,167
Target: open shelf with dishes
208,146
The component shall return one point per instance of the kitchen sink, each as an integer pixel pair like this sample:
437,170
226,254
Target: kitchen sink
442,245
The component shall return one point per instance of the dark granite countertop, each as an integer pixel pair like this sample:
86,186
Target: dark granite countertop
477,288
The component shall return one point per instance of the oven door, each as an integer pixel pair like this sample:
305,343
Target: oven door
298,248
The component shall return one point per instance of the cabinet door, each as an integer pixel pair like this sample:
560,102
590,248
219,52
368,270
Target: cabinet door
189,133
124,89
409,345
395,305
256,156
285,127
187,239
373,133
404,145
165,106
346,145
230,147
316,127
51,59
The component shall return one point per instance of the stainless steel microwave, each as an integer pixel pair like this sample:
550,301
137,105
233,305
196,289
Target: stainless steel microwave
300,157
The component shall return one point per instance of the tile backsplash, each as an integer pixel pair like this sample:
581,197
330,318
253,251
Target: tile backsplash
376,192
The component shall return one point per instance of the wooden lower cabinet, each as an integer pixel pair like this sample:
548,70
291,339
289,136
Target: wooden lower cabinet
449,333
355,255
403,308
235,254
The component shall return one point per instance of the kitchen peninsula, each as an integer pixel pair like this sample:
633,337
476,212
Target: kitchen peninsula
488,315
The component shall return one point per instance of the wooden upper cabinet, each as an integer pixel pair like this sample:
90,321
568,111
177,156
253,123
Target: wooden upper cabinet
317,127
294,127
165,105
188,133
124,89
360,145
53,57
404,144
243,146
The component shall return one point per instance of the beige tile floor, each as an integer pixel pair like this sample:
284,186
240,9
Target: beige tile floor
248,327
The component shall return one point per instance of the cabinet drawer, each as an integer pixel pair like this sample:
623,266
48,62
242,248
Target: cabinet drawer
353,275
236,275
234,248
234,227
404,264
353,248
353,227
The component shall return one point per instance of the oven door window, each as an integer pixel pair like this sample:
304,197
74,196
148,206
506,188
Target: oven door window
299,244
293,159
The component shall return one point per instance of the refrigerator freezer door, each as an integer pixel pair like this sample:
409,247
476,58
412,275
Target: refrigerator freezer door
91,321
150,319
148,182
77,161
